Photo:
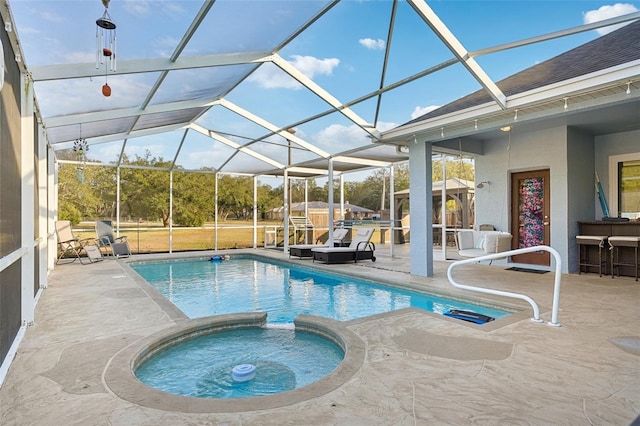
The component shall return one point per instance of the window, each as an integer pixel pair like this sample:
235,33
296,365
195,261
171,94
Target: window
629,188
625,185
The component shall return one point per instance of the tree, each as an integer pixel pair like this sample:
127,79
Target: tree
144,192
76,197
193,198
235,196
456,168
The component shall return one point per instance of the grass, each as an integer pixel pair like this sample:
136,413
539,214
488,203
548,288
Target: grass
153,238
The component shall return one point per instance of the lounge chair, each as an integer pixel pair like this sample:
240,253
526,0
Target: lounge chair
70,247
361,248
304,250
109,244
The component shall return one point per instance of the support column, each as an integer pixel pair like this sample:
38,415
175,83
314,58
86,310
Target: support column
306,212
255,212
42,243
170,211
443,206
52,208
421,205
341,197
215,219
330,199
27,202
286,212
118,202
392,211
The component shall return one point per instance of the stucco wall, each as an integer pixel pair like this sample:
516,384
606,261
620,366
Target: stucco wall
581,190
543,149
572,156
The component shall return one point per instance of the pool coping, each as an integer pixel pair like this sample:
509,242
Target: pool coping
120,378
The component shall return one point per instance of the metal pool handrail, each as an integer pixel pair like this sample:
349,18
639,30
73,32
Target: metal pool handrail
536,311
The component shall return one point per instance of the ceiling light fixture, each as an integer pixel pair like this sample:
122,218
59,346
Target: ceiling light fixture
505,128
566,103
442,132
628,88
106,45
515,117
475,124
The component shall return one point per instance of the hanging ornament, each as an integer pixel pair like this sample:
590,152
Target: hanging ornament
106,45
81,147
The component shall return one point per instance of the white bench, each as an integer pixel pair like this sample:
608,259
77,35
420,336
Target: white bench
472,243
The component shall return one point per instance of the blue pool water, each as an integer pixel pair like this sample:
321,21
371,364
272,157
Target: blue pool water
202,367
202,288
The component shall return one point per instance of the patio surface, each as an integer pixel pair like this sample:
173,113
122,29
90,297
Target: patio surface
419,368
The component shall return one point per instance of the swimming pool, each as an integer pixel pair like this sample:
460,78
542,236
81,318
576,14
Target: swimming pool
201,288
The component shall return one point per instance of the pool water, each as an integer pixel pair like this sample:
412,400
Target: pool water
202,288
202,367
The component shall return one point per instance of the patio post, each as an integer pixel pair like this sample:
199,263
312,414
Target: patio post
421,209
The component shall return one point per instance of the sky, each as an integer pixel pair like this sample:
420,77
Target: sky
343,52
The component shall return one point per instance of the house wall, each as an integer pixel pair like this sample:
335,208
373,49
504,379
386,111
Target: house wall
572,156
543,149
581,188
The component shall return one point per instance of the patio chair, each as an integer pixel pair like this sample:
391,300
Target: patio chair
304,250
109,244
70,247
360,248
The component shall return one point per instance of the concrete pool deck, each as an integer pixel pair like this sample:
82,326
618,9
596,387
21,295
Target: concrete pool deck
419,368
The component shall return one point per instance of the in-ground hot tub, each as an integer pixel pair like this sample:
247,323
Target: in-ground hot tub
233,363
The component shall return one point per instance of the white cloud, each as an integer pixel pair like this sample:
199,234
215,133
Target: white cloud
79,57
48,15
137,7
372,44
420,111
337,138
84,95
384,126
606,12
106,152
269,76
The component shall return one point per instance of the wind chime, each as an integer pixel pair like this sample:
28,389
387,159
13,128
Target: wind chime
81,147
106,45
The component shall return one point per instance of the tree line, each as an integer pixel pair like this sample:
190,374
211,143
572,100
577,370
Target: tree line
89,192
